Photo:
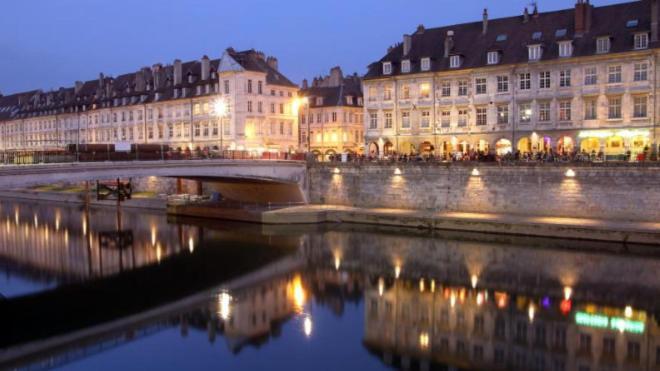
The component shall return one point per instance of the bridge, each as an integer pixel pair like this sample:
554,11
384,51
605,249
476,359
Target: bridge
266,176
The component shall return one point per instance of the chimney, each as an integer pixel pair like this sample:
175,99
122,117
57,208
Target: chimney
582,17
525,15
336,77
420,29
535,13
654,20
141,79
78,87
449,43
101,80
272,62
206,68
155,70
407,44
484,28
177,72
305,84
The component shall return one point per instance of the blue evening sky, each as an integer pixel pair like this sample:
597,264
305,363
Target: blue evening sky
51,43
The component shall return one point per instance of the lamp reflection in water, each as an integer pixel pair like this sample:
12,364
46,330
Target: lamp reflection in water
474,280
224,305
381,286
307,325
424,340
531,311
191,244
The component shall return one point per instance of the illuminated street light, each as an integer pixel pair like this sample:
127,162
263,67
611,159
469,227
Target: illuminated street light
220,107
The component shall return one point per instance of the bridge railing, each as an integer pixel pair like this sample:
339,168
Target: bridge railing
51,157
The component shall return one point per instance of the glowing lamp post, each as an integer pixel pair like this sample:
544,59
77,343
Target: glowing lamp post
220,110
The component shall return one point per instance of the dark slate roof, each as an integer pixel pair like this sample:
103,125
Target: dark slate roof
252,60
124,88
336,95
472,45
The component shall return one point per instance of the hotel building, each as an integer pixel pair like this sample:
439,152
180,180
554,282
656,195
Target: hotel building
332,113
240,101
576,79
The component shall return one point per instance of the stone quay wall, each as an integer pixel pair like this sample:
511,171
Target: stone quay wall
604,191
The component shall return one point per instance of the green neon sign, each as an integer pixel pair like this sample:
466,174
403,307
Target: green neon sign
612,323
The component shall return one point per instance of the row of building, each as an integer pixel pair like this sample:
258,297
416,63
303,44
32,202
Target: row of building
583,78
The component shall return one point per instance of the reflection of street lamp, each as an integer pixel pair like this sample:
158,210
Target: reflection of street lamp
220,110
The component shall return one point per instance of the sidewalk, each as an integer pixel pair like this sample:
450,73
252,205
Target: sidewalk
573,228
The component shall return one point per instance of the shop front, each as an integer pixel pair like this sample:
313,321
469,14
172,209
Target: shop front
616,144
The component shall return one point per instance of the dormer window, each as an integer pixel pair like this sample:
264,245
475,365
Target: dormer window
426,64
603,45
405,66
493,57
534,52
501,38
641,40
632,23
537,35
319,101
454,61
349,99
565,49
387,68
560,33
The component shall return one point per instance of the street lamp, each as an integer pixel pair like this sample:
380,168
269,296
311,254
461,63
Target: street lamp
220,110
297,103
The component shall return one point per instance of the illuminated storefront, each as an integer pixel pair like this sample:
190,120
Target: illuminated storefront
615,142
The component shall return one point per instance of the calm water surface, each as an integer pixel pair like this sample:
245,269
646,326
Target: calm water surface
133,290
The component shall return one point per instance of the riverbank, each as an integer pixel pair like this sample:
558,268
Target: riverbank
151,203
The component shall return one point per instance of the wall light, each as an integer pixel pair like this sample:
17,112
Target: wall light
475,172
397,171
336,170
570,173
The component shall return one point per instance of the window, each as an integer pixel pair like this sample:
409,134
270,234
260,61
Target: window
260,107
525,112
249,106
590,76
632,23
537,35
454,61
565,49
560,32
445,89
249,86
426,119
334,117
503,114
609,347
425,90
405,92
463,88
534,52
426,64
260,87
590,109
544,111
565,110
373,120
603,45
445,119
525,81
405,119
502,84
226,84
405,66
373,94
584,343
387,93
639,103
462,117
388,120
544,80
614,74
482,116
564,78
493,57
387,68
641,41
633,351
641,72
480,86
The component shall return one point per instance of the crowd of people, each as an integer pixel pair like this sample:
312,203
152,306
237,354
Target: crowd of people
547,156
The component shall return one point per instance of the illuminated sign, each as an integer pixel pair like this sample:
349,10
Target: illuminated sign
625,133
613,323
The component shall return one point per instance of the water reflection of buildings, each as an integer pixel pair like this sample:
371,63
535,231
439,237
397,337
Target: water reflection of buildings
67,243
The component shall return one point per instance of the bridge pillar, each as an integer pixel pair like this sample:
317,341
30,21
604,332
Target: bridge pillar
179,186
200,189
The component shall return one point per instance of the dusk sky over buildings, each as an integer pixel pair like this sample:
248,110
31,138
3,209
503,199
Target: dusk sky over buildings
47,44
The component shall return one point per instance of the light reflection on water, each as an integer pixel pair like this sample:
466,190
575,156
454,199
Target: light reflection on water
356,299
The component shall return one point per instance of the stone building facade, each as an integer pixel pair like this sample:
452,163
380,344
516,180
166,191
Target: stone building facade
240,101
581,78
332,114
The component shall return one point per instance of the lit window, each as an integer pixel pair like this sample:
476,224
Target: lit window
405,92
493,57
387,68
455,61
387,94
503,114
426,64
405,66
525,112
534,52
603,45
425,90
